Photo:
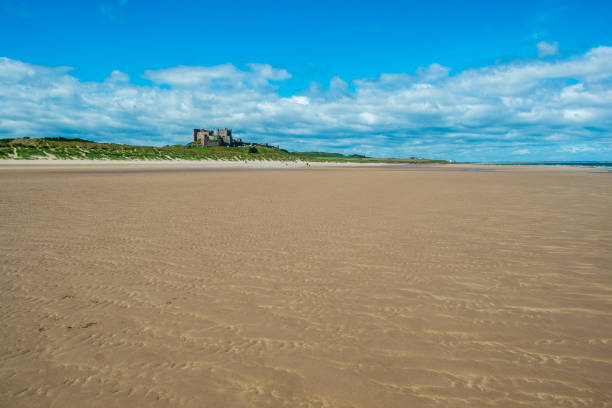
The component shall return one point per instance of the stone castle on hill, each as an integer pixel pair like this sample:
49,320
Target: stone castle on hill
223,137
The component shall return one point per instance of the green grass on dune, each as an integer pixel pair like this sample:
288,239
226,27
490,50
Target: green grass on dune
331,156
82,149
63,148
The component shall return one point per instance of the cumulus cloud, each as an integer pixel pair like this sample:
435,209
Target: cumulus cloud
432,72
547,49
118,76
558,109
219,76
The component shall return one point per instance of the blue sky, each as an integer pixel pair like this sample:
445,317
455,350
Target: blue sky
471,80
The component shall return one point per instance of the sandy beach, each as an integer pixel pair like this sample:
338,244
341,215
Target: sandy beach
127,285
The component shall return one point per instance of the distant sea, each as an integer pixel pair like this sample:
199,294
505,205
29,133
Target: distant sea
563,163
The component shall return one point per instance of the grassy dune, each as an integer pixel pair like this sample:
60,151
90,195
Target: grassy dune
61,148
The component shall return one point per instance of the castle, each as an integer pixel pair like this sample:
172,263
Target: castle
223,137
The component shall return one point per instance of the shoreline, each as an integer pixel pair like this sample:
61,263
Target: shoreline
161,165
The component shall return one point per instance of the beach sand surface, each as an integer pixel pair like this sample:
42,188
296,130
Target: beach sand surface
439,286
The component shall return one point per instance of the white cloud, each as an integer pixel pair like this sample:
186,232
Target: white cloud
118,76
432,72
219,76
537,107
300,100
578,149
547,49
368,118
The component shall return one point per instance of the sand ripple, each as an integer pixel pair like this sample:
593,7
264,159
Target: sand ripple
322,288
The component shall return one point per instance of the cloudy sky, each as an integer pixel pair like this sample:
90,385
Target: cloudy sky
456,80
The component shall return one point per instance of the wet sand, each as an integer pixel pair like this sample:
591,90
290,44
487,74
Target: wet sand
438,286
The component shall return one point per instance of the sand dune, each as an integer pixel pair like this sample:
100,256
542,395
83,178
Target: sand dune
374,287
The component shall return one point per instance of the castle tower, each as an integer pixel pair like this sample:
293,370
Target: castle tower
202,136
225,135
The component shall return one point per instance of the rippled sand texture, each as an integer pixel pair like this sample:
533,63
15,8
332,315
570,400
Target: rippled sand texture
316,288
